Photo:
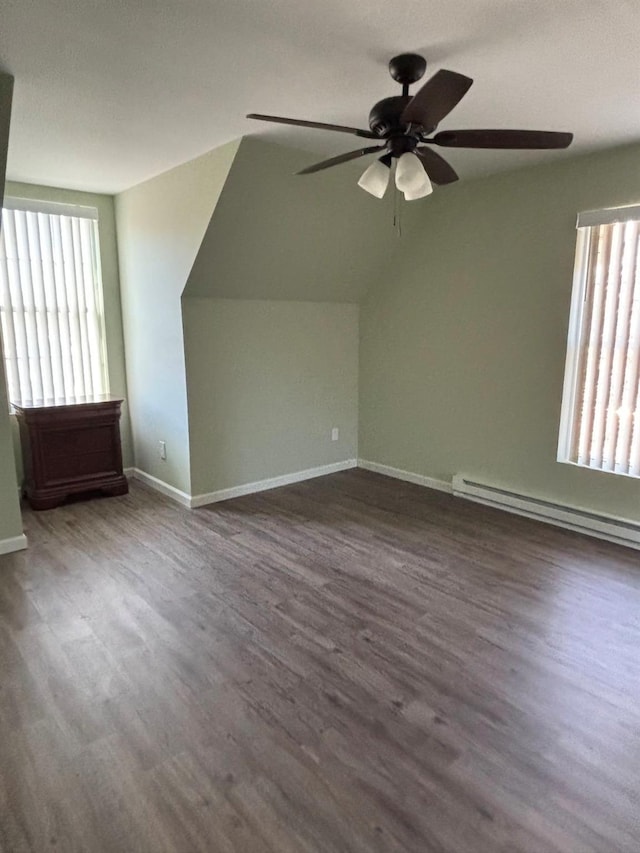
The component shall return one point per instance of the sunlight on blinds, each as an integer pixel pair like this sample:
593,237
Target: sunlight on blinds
51,305
603,428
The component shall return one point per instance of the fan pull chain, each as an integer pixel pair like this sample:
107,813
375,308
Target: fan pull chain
397,212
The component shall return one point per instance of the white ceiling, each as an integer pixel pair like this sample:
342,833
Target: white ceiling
110,92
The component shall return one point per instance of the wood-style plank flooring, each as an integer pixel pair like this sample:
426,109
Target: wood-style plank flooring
347,664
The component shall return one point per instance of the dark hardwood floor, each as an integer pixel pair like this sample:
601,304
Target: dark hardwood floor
347,664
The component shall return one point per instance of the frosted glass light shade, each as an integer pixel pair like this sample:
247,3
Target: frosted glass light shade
375,179
424,189
411,177
410,174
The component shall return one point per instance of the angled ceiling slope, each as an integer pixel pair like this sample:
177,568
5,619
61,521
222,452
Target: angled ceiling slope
275,235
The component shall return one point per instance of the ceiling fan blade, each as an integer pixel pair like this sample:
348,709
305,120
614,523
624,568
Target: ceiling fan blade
341,128
502,139
341,158
436,99
436,166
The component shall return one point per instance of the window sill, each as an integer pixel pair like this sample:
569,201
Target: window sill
584,467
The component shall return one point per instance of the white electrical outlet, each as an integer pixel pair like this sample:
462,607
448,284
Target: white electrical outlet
162,449
335,434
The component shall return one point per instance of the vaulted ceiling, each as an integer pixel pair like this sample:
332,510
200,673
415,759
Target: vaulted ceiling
108,94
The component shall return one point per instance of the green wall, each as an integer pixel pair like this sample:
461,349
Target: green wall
270,320
278,235
160,226
463,346
111,291
241,388
10,521
267,381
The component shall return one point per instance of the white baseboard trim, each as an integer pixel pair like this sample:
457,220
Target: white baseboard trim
622,531
160,486
407,476
271,483
14,543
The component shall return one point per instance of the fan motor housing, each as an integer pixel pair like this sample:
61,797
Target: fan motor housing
384,118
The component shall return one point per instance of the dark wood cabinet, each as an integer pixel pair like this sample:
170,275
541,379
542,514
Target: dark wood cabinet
70,447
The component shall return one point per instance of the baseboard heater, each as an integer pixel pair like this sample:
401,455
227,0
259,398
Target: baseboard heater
614,529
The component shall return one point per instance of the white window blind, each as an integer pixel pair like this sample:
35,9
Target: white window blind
51,311
600,425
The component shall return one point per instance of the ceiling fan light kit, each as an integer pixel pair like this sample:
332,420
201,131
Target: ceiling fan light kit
411,177
405,126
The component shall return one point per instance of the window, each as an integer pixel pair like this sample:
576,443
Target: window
600,425
51,301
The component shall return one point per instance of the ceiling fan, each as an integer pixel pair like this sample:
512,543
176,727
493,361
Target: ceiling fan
405,125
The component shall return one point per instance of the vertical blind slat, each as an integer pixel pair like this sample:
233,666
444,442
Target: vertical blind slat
35,253
596,279
615,413
71,287
616,346
34,356
580,348
8,325
630,378
50,311
93,332
634,450
612,289
53,317
68,372
82,307
17,306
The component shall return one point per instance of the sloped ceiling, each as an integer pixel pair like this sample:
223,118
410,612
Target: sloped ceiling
276,235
